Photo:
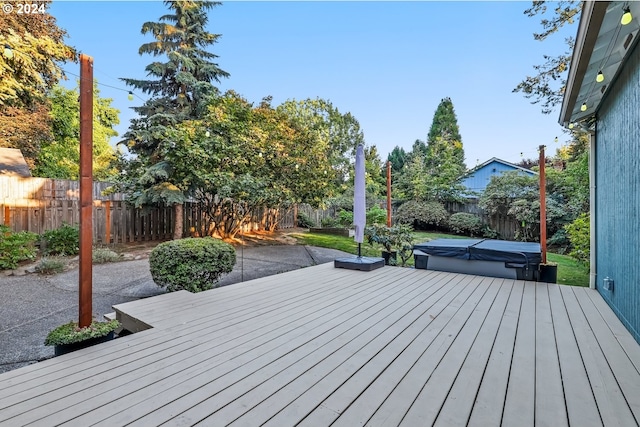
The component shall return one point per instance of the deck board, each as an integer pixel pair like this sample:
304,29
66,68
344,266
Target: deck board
324,346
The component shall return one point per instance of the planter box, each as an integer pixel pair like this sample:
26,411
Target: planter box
60,349
390,258
548,273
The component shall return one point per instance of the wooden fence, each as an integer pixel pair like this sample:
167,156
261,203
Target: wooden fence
41,204
504,225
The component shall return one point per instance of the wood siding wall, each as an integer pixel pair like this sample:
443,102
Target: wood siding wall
618,195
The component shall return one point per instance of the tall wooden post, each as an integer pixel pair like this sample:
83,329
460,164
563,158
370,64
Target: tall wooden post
543,207
388,193
86,191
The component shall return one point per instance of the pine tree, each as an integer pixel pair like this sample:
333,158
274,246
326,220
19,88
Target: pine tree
444,141
179,87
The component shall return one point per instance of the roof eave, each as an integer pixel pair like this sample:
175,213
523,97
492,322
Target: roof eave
593,13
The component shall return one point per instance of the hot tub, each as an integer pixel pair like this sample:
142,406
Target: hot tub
482,257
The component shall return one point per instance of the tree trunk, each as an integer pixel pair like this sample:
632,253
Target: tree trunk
179,220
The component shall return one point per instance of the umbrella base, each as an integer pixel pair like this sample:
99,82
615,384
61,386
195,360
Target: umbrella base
359,263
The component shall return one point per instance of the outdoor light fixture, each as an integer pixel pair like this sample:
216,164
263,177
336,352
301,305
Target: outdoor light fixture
8,53
600,77
571,125
130,96
626,16
584,107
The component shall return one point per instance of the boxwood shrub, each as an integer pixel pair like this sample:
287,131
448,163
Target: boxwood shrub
16,247
64,240
192,264
465,223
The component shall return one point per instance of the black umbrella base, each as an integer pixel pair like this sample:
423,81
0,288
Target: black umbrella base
359,263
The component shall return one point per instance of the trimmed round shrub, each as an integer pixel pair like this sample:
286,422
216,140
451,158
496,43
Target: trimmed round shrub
191,264
422,215
465,223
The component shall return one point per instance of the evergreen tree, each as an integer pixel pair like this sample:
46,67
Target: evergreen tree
444,135
179,87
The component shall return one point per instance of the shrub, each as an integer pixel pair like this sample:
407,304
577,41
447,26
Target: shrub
16,247
398,238
578,232
104,255
329,222
422,214
465,223
345,218
50,266
70,333
489,232
62,241
304,221
192,264
376,215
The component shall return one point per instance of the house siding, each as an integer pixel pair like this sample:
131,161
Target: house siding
617,203
479,179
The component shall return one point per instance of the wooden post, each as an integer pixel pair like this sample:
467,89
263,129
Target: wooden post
107,215
86,191
7,215
543,207
388,193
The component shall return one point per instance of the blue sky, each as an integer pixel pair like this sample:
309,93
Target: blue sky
388,63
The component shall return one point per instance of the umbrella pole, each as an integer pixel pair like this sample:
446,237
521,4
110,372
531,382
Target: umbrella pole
359,250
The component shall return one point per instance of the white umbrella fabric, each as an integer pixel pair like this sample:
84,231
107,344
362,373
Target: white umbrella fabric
359,198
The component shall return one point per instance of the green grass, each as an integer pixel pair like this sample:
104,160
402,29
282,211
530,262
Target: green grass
570,272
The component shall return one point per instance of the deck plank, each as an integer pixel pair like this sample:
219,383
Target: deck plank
456,410
519,406
550,406
610,399
347,380
582,409
622,367
489,402
415,366
330,346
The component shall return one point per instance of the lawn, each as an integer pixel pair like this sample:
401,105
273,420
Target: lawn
569,271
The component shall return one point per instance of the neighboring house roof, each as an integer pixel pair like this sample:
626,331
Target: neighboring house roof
504,162
477,179
12,163
602,44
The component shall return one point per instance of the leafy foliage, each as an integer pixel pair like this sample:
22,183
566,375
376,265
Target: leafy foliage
547,85
465,223
16,247
39,51
60,158
70,333
104,255
304,221
578,232
422,215
192,264
64,240
398,238
50,266
376,215
345,218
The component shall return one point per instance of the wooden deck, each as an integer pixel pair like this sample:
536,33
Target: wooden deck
322,346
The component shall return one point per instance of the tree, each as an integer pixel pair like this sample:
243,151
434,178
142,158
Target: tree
444,143
341,131
398,158
180,89
26,75
60,158
547,85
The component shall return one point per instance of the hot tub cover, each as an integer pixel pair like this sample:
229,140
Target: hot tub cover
484,250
